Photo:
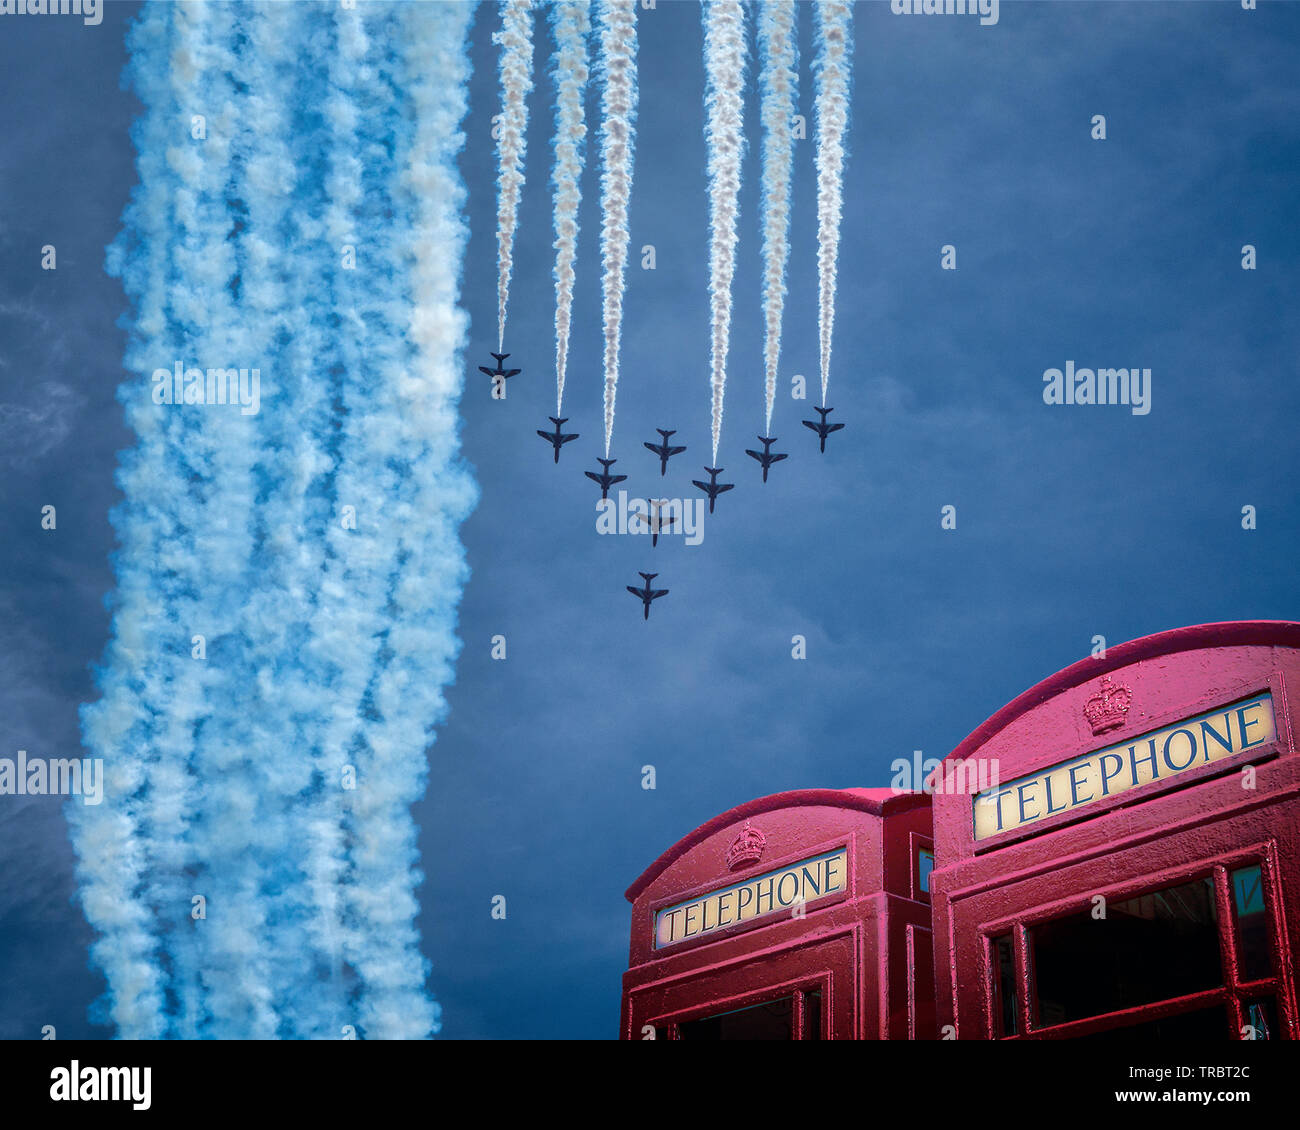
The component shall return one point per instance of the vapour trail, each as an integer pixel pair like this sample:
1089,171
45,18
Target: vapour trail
617,69
516,42
832,70
778,80
724,66
571,24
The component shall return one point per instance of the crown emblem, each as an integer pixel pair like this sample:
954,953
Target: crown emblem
1108,708
746,849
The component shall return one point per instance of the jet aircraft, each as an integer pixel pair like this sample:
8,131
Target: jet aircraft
500,370
822,428
664,451
605,479
713,488
655,522
767,457
647,594
555,438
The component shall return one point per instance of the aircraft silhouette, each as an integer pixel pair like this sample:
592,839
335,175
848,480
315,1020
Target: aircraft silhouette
713,488
767,458
500,370
822,428
647,594
605,479
656,523
664,451
555,438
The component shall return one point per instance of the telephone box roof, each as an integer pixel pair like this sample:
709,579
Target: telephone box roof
877,802
1230,633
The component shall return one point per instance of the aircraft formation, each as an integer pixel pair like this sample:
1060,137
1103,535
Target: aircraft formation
599,44
605,477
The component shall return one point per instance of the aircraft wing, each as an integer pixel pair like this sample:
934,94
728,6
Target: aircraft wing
834,427
486,371
754,454
815,427
564,439
658,593
703,486
725,486
595,478
650,447
676,450
614,478
779,456
638,593
512,372
550,436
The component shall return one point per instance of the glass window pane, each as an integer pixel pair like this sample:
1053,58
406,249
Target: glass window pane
1253,960
771,1020
1261,1020
1004,985
924,865
1149,948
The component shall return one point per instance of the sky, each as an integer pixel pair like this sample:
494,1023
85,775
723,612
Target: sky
1071,521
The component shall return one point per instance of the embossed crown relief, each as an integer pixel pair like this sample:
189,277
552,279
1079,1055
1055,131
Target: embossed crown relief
1108,708
746,849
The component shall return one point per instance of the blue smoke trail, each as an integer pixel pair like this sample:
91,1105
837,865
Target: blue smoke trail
314,233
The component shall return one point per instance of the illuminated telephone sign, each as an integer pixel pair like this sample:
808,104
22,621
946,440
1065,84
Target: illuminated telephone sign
1213,736
772,893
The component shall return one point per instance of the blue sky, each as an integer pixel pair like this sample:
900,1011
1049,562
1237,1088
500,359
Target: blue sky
1071,521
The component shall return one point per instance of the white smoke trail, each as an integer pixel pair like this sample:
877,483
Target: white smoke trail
831,72
724,67
571,23
516,42
618,103
778,81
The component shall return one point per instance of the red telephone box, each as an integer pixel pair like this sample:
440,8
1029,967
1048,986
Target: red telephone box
799,916
1118,849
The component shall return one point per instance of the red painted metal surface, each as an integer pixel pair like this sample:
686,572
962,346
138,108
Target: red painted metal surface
1170,860
1189,828
851,962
